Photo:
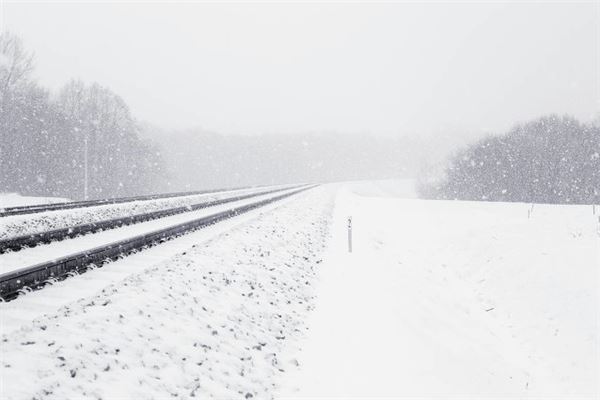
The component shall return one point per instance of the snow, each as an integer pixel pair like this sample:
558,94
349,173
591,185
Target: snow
384,188
439,299
15,199
219,319
448,299
12,261
18,225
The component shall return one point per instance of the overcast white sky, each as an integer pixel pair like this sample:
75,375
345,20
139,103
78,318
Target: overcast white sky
384,68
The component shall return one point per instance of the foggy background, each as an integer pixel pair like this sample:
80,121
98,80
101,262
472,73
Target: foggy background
259,93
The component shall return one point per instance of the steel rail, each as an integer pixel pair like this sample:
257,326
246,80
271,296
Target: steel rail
38,208
36,276
35,239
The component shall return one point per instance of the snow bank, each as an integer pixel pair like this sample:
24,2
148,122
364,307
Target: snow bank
218,320
456,300
15,199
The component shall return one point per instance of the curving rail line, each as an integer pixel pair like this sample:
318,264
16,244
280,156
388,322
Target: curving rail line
36,276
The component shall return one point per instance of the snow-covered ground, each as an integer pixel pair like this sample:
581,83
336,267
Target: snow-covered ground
454,300
15,199
218,318
438,299
403,188
27,257
24,224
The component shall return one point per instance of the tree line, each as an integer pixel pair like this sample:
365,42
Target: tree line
197,158
48,138
552,159
59,144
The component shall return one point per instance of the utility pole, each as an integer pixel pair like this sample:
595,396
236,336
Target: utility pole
85,168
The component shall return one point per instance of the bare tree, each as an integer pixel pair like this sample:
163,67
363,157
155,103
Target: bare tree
16,64
44,138
116,161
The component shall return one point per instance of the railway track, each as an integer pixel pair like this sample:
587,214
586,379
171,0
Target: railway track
35,239
36,276
38,208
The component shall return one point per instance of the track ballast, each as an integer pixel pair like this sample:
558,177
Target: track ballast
36,276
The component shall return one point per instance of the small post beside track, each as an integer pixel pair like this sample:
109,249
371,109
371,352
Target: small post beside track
350,234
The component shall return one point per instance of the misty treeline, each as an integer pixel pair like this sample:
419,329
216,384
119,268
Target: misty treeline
50,142
47,139
199,158
549,160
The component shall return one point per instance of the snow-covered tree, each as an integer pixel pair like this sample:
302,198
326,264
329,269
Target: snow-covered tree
550,160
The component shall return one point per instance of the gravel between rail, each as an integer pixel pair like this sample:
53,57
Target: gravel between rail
28,224
60,265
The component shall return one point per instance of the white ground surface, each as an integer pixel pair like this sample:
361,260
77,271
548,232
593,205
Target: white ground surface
454,300
451,300
217,318
15,199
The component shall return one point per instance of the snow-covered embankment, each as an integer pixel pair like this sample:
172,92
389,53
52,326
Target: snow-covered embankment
450,299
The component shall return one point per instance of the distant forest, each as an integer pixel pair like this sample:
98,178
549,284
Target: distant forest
198,158
47,139
50,142
549,160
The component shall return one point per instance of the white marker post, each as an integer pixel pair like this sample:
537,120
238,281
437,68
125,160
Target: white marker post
350,234
530,211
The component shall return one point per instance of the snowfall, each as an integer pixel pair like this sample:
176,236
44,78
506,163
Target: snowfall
436,299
